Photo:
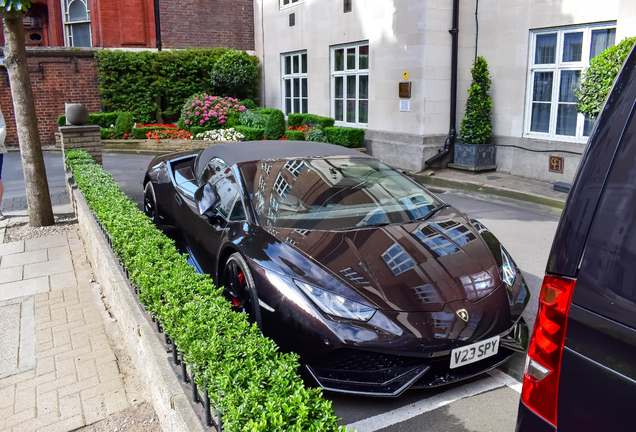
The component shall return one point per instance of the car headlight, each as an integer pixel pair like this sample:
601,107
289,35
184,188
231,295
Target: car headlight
508,269
333,304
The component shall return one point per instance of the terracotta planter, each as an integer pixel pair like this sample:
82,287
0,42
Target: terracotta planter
475,157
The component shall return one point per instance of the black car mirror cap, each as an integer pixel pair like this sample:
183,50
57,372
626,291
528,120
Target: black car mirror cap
207,199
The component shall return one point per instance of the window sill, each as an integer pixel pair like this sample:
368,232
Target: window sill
557,138
292,5
352,125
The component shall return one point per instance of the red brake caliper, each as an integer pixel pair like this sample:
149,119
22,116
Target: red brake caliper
235,301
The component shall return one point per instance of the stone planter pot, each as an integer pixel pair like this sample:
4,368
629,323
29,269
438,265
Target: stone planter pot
76,114
474,157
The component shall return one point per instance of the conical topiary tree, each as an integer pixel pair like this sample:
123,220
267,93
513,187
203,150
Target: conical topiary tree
476,126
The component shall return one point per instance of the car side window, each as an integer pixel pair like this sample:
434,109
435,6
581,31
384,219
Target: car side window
238,212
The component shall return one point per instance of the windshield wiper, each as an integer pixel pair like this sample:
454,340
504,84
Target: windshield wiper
433,212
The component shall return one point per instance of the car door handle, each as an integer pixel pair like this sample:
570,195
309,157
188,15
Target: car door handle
178,199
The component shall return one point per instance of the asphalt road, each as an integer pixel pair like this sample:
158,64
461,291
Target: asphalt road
485,403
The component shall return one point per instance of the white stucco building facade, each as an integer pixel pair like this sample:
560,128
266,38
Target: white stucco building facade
346,58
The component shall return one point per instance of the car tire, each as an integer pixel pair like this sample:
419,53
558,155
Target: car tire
150,203
240,289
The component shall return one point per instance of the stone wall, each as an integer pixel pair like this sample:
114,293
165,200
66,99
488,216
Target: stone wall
58,76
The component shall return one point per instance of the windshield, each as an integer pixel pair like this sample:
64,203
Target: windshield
332,193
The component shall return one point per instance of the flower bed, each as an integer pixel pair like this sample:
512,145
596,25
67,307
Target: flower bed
159,134
206,110
252,385
220,135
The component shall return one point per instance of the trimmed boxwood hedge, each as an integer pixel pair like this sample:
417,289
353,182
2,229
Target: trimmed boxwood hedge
293,135
344,136
104,120
275,126
305,119
250,133
254,387
106,133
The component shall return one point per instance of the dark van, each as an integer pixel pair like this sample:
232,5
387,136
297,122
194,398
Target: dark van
581,366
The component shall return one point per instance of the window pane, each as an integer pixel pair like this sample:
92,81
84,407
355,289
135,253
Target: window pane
588,125
304,84
338,113
288,65
304,63
545,49
364,87
305,106
601,40
351,86
288,106
572,47
285,2
296,87
566,120
339,58
77,12
351,58
540,118
288,92
570,80
363,113
351,111
296,65
81,35
364,57
339,87
296,105
542,90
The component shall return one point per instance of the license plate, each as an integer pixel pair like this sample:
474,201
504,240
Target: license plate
475,352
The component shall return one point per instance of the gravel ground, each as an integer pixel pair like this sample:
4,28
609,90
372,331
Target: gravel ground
20,229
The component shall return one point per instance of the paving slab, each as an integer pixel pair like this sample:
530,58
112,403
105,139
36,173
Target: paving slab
22,288
20,259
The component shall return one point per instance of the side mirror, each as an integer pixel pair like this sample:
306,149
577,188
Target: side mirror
207,199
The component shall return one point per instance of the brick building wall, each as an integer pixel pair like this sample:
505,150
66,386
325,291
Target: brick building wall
56,79
197,24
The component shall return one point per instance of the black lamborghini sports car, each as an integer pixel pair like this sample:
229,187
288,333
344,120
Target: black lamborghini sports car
378,284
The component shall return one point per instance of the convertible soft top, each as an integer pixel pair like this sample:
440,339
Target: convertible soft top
249,151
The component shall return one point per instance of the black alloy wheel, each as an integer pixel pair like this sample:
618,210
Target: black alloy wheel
240,289
150,203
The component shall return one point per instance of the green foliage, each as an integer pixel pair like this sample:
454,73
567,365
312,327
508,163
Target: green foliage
233,121
124,124
139,81
267,111
252,384
253,118
181,124
316,135
106,133
598,79
249,104
476,127
275,126
310,119
251,133
12,6
235,74
104,120
293,135
295,119
344,136
197,130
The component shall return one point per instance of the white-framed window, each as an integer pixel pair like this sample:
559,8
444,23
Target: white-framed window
76,16
398,259
281,186
558,57
353,276
295,167
288,3
261,184
294,84
266,167
350,83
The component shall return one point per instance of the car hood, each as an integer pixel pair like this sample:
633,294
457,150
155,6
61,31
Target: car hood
404,267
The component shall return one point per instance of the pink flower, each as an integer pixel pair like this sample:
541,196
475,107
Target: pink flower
206,118
197,113
188,112
242,108
201,122
192,103
221,121
235,106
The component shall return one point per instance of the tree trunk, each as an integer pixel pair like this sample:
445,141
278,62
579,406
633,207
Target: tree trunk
15,60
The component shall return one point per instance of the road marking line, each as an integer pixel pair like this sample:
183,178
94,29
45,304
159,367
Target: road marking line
497,379
510,381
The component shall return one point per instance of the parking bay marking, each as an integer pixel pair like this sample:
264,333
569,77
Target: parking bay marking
497,379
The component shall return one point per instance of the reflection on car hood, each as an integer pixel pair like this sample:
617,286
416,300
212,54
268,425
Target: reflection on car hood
418,266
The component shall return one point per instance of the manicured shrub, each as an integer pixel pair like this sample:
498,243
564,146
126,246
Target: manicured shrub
181,124
235,74
232,121
598,78
209,111
253,118
310,119
249,104
250,133
267,111
476,127
295,135
253,385
295,119
344,136
106,133
124,124
275,127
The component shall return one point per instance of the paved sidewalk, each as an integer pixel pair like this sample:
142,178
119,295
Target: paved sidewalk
498,184
58,371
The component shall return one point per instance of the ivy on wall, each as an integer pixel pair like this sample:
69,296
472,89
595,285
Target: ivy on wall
148,83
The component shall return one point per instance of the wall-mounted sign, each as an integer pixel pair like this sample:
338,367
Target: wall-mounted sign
557,163
405,89
405,105
406,75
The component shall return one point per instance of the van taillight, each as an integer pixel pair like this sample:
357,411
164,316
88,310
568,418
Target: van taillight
541,378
